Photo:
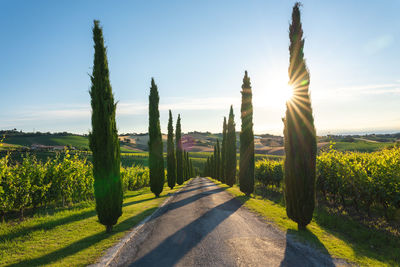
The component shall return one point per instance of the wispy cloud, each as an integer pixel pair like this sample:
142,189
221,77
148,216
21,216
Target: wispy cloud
65,112
357,91
179,104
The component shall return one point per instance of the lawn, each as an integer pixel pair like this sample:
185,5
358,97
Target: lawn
361,146
338,236
71,236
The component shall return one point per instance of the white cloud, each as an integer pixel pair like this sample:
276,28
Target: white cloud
357,91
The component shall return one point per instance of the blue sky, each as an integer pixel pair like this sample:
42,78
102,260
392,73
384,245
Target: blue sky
197,52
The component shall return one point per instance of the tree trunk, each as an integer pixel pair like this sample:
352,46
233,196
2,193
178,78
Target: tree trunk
21,214
301,227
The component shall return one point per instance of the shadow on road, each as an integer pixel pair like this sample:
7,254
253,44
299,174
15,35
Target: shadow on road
194,189
295,257
186,201
175,247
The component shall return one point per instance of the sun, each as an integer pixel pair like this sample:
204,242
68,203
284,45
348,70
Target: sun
287,92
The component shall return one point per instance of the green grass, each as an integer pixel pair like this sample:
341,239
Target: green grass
71,236
81,142
360,146
336,235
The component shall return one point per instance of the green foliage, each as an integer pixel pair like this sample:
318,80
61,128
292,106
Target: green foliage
156,160
103,139
135,177
59,181
33,183
231,150
246,165
361,179
179,153
187,166
299,133
171,161
218,161
223,151
269,172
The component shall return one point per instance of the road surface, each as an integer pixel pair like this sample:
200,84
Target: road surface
204,226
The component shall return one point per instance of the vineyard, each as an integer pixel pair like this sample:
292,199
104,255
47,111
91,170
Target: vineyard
347,180
59,181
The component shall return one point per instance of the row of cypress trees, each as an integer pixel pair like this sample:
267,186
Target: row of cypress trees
221,165
179,165
299,137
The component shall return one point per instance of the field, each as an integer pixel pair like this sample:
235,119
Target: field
365,230
361,146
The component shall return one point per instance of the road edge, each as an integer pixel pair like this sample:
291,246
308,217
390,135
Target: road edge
113,252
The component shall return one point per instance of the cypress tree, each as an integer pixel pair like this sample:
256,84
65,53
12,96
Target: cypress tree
184,166
207,167
215,163
156,160
192,172
246,165
218,161
299,133
231,150
223,152
171,161
212,166
179,153
187,166
103,139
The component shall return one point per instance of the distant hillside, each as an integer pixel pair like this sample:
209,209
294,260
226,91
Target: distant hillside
198,141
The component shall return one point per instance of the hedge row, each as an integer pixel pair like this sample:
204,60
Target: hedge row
58,181
349,178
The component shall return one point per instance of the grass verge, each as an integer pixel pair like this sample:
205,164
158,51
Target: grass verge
337,236
72,236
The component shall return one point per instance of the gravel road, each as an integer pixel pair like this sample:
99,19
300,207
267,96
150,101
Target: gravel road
204,226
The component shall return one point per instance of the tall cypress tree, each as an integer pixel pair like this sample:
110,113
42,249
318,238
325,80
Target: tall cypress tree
207,167
179,153
215,162
156,160
187,166
212,166
231,150
184,166
246,165
299,133
218,161
223,151
192,172
171,161
103,139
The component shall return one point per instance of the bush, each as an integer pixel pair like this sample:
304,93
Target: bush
59,181
135,177
269,172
